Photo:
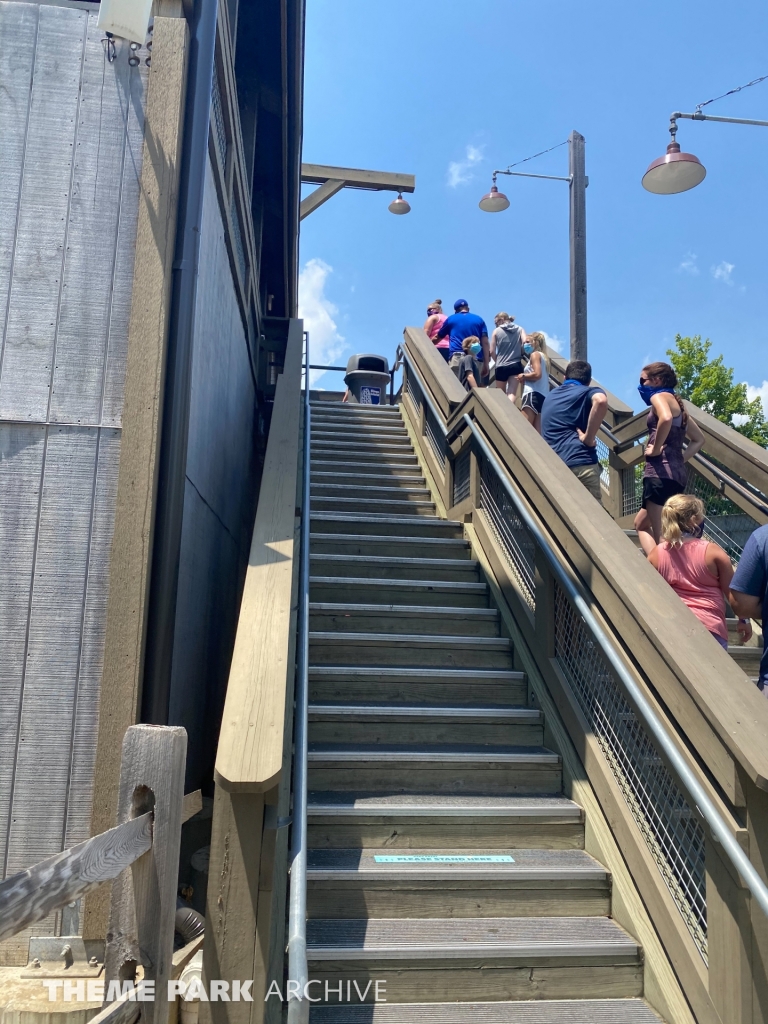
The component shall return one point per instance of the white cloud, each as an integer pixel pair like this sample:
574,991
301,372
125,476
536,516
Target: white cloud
318,312
460,171
759,392
738,419
554,343
722,272
689,265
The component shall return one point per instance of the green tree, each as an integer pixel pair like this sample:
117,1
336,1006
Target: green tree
708,383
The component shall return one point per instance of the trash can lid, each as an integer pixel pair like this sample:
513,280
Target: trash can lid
368,361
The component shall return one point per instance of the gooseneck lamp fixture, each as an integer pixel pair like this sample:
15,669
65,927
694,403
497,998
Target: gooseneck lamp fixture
496,202
399,206
677,171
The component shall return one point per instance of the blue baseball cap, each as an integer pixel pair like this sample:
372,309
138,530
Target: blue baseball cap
459,303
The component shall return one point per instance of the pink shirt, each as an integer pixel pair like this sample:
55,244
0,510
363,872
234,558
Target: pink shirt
685,570
444,342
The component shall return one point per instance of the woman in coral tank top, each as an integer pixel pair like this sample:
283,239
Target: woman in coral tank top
698,571
435,320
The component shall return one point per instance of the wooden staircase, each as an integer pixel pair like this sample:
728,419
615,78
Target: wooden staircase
444,860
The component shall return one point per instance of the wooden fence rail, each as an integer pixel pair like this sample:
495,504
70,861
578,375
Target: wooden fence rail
140,855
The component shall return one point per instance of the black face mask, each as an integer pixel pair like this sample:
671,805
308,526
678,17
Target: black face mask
696,531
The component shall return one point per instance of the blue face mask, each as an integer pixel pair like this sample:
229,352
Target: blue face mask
476,348
527,349
647,392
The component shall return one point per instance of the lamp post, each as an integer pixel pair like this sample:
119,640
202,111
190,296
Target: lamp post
677,171
333,179
495,201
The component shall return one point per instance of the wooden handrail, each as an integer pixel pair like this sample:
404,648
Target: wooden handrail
250,751
659,633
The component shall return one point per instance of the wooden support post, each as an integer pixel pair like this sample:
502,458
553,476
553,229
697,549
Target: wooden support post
143,910
613,501
231,948
578,245
544,629
474,478
729,939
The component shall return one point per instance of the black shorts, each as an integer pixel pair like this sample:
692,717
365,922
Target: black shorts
533,400
503,373
658,491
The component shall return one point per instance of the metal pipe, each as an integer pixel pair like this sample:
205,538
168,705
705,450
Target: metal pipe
166,549
524,174
298,1007
698,116
653,723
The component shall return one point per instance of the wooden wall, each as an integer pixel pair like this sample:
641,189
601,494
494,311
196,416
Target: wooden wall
71,131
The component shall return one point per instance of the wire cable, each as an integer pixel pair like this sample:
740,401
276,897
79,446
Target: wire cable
525,161
731,92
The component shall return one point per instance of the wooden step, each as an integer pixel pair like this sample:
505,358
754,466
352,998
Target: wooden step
529,1011
364,432
388,567
378,618
374,506
360,544
368,487
375,591
424,724
466,959
747,658
458,686
455,883
433,769
367,477
411,526
406,822
411,650
403,466
354,446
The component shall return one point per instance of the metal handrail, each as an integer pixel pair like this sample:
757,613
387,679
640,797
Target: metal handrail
298,1007
574,590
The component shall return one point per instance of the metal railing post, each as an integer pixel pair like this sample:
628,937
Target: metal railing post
298,1007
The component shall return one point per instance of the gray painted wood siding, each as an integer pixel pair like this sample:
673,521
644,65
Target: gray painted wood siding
71,126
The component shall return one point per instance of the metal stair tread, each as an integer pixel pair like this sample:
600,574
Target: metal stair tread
493,643
411,468
422,712
498,937
314,475
446,674
343,488
351,517
402,806
404,610
371,538
437,753
526,865
461,563
529,1011
369,581
386,502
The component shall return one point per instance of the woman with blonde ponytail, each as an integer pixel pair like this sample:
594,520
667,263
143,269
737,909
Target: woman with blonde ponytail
698,571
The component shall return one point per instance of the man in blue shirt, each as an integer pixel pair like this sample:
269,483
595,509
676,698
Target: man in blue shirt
749,588
570,418
463,324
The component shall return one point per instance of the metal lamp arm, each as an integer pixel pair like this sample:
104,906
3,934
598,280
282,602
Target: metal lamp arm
522,174
698,116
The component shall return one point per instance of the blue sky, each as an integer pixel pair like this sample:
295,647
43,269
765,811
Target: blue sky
421,86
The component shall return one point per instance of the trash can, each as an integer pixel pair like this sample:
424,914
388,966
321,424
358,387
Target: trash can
367,378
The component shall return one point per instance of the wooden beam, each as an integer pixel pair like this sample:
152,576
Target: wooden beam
143,912
319,196
250,751
353,177
32,894
130,559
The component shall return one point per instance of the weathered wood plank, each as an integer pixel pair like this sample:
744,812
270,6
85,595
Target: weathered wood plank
143,909
122,1011
442,382
32,894
150,306
250,751
376,180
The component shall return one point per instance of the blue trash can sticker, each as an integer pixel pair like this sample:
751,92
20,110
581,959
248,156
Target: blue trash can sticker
370,396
